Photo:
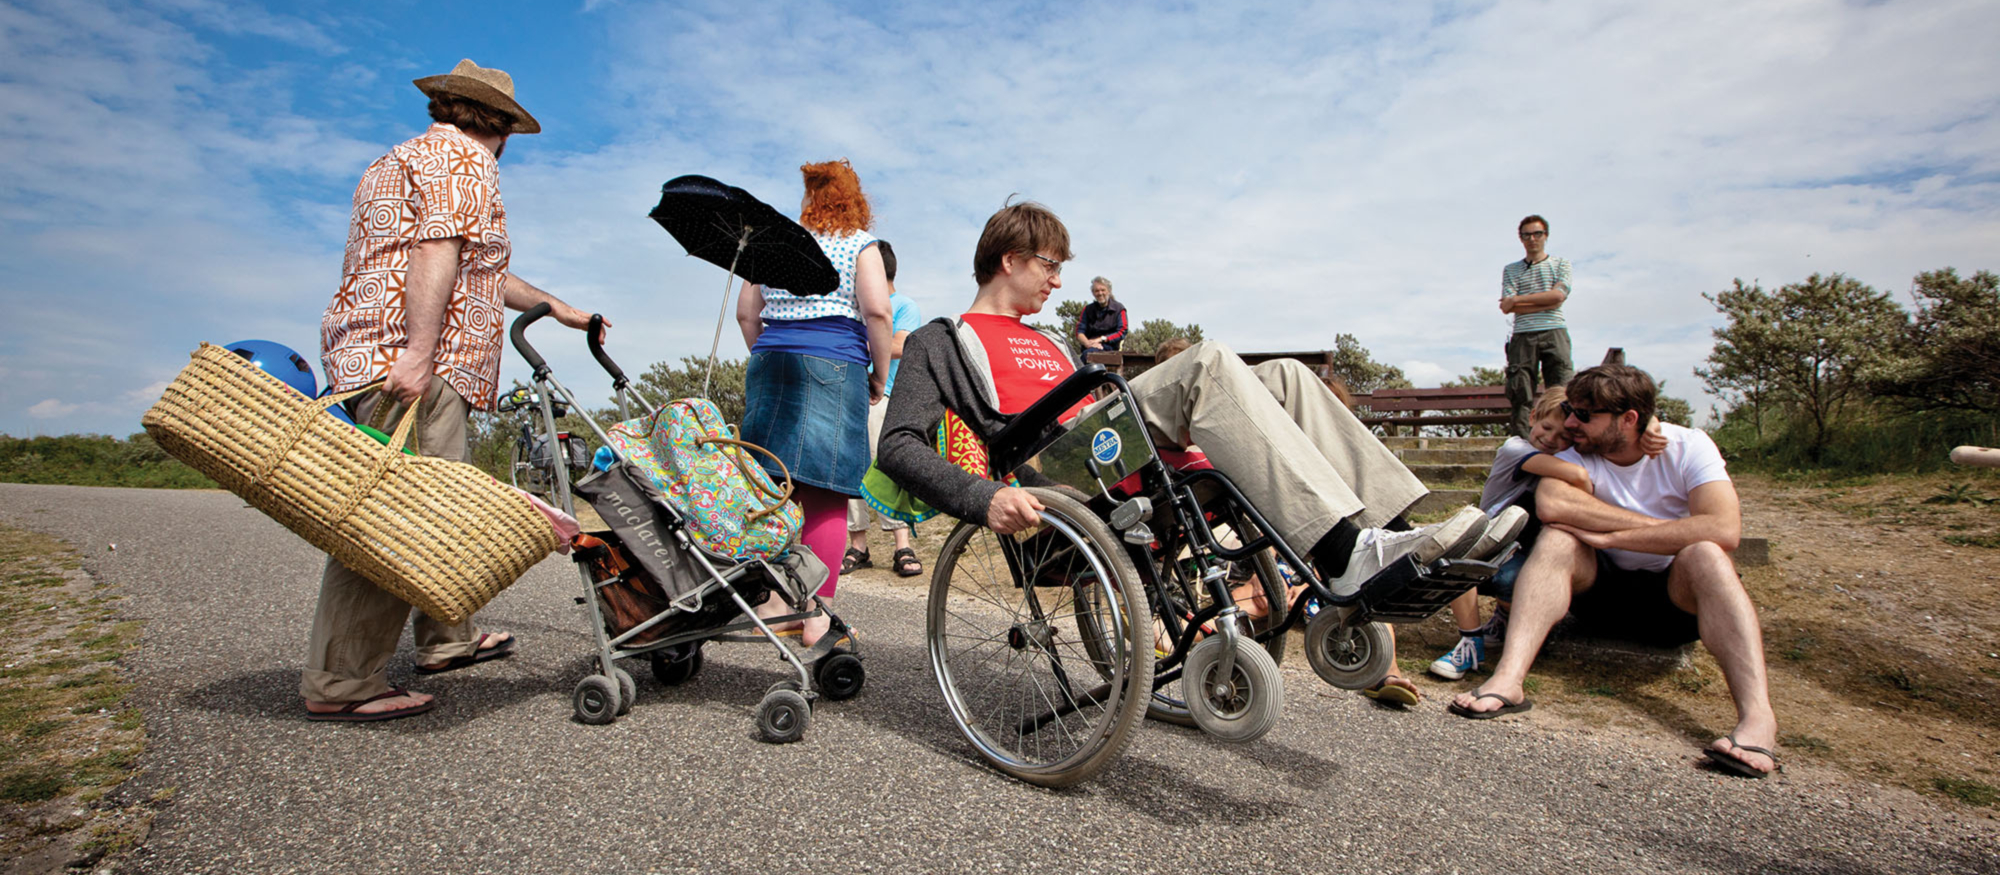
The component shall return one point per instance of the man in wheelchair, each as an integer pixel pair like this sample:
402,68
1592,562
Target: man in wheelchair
1297,454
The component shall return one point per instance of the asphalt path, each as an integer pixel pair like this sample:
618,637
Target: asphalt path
499,778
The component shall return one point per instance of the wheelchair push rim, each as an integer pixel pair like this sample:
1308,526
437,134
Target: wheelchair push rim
1038,643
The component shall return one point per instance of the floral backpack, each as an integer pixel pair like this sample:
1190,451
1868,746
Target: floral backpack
732,506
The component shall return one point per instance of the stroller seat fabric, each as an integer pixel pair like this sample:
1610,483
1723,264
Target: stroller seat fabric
730,505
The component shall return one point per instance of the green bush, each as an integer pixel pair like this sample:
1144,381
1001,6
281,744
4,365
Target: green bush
95,460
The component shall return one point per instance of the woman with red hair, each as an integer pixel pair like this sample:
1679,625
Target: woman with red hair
816,364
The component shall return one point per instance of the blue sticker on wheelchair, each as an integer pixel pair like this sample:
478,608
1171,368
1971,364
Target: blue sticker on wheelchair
1104,445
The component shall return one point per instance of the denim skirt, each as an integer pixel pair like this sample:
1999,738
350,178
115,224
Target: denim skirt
812,413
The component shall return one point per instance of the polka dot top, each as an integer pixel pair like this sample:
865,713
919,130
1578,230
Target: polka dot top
783,306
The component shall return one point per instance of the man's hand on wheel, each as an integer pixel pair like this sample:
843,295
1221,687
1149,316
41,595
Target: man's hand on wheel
1012,510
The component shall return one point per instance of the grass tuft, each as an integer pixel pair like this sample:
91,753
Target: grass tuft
1968,792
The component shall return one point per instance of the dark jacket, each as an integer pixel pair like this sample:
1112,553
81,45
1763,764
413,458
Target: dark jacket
944,365
1107,321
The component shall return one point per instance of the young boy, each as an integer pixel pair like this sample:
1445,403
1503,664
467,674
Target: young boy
1510,488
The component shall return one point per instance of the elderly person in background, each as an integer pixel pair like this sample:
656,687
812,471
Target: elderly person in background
1103,324
816,364
422,289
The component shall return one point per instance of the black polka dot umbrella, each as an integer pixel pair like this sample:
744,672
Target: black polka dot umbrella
726,226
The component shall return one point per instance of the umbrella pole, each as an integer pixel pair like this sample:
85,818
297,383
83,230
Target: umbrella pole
741,243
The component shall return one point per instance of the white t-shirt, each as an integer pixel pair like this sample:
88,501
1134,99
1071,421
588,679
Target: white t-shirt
1656,487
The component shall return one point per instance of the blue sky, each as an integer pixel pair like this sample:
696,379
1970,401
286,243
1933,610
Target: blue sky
180,171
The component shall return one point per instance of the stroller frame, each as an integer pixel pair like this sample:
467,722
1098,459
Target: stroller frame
784,712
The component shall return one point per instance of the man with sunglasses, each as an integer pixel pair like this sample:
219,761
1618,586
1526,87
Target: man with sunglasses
1645,556
1532,292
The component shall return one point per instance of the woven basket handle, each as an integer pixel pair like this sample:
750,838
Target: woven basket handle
296,429
391,456
781,497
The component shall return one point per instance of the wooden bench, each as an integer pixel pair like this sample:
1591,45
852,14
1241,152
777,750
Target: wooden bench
1391,408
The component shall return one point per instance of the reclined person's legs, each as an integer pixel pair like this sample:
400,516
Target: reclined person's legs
1368,467
1207,396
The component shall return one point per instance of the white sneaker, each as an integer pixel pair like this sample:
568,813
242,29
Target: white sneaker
1504,529
1377,549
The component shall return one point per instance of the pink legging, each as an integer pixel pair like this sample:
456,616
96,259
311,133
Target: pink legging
825,531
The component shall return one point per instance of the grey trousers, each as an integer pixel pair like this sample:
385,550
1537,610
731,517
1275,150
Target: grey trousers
1548,350
357,624
1299,455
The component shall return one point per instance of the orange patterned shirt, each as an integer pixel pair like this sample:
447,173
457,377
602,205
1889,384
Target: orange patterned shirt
439,185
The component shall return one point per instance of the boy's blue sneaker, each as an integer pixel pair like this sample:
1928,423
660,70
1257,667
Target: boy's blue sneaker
1470,652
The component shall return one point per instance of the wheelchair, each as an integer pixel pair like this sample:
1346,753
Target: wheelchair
1052,645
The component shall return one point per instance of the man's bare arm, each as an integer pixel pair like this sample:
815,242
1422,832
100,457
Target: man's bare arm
1558,502
1714,514
426,293
1539,301
522,295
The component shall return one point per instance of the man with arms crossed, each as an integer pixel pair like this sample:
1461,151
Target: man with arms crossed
1647,554
1532,291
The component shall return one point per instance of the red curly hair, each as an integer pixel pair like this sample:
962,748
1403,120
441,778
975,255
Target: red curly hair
835,203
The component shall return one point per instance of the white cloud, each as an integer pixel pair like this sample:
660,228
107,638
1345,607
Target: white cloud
51,409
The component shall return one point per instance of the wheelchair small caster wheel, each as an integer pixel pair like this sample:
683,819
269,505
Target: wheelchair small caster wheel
840,675
1238,705
782,716
674,672
1348,657
628,690
595,700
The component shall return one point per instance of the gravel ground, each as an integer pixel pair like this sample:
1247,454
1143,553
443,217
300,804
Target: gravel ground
499,779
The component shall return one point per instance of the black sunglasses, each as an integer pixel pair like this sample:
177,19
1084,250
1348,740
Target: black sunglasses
1584,416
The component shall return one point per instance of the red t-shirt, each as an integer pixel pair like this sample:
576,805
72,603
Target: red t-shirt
1025,363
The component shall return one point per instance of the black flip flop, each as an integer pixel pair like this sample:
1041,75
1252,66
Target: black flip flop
477,656
348,714
1507,706
1738,765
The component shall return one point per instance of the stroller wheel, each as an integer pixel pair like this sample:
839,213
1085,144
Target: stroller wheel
674,672
595,700
782,716
628,690
840,675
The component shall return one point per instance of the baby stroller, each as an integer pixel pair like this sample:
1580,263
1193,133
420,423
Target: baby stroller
652,592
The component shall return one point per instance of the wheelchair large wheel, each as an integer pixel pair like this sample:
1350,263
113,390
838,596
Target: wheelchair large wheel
1039,643
1240,704
1348,657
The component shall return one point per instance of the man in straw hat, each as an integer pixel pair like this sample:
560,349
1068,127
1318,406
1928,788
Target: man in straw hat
423,287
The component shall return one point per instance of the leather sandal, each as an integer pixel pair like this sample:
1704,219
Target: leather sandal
854,559
905,563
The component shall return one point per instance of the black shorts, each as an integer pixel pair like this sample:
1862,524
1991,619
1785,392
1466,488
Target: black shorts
1632,606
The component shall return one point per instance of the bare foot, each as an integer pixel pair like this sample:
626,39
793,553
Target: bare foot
773,606
1734,746
491,644
1476,702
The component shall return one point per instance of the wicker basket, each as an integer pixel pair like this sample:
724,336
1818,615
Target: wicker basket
441,535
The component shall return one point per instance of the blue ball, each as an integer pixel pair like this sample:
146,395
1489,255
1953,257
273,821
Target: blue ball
279,361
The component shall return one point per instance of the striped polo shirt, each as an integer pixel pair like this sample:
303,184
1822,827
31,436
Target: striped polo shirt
1522,278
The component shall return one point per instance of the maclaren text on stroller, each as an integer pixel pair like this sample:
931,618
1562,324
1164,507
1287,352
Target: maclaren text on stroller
653,592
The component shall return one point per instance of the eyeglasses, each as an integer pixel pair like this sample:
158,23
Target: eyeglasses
1055,267
1582,415
1530,235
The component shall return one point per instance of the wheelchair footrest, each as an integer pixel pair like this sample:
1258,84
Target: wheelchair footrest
1406,592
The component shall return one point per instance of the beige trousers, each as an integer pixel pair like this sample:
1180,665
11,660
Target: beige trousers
858,509
357,624
1298,454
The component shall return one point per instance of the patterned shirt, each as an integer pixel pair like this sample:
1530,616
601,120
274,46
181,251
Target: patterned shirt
436,186
1522,278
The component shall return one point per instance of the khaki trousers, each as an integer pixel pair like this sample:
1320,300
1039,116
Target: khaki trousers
1298,454
857,508
357,624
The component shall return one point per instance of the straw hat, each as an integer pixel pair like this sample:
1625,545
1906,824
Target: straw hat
485,85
